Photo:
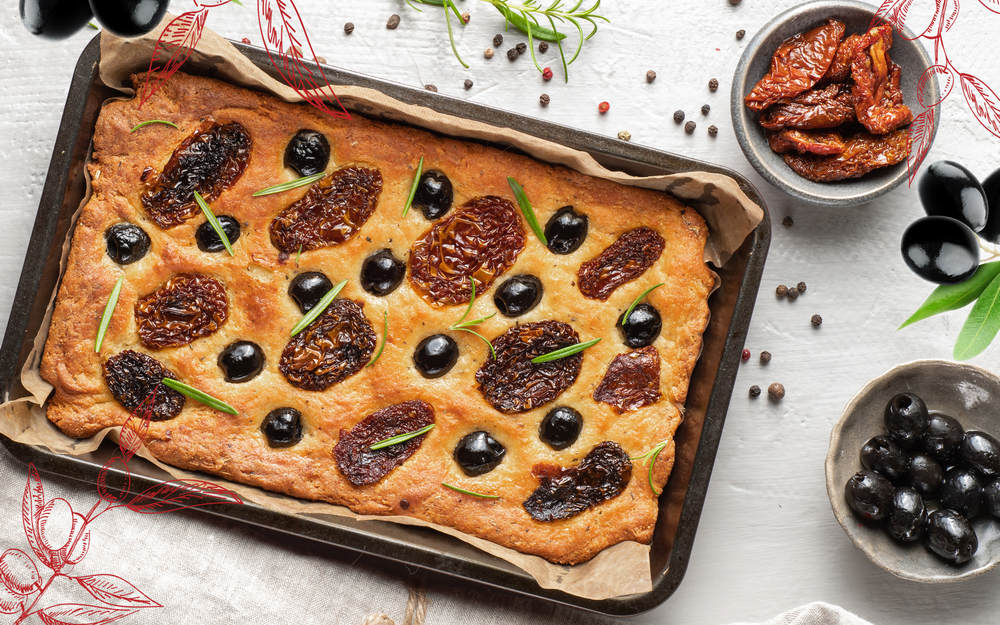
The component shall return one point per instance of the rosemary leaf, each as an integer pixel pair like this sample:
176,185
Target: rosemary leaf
318,309
401,438
563,352
93,26
153,121
655,454
469,492
385,337
468,309
527,210
413,187
210,216
195,394
288,186
635,302
109,310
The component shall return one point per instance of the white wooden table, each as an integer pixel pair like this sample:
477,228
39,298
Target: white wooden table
767,539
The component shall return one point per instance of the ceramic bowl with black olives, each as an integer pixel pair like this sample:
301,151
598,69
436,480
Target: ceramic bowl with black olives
913,471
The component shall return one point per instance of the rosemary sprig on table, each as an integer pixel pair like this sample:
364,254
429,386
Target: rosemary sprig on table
288,186
153,121
466,326
400,438
653,454
635,302
413,187
109,310
318,309
385,337
469,492
527,210
210,216
195,394
564,352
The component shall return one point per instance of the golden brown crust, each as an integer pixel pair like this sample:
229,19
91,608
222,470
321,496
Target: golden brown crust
260,310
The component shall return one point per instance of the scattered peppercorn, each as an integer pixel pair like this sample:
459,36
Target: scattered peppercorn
245,40
321,60
734,2
547,73
705,109
431,88
543,47
776,392
745,356
603,108
740,34
624,135
488,53
689,127
497,40
678,116
393,22
754,391
521,47
713,130
512,54
468,84
466,17
544,99
781,291
801,287
793,294
765,357
348,28
788,222
816,321
713,85
650,76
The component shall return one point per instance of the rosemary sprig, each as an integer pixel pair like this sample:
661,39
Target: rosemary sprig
654,454
563,352
466,326
635,302
195,394
288,186
210,216
400,438
413,187
469,492
109,310
93,26
527,210
153,121
318,309
385,337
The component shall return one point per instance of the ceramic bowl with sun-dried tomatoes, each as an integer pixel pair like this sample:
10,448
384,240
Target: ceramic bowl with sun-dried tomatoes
844,163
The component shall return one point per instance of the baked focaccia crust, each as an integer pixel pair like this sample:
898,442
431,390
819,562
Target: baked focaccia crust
256,281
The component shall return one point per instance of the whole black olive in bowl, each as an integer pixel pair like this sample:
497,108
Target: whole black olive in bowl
981,452
884,457
950,190
991,498
941,249
906,419
129,18
991,186
906,515
962,491
55,19
950,536
869,495
926,474
943,436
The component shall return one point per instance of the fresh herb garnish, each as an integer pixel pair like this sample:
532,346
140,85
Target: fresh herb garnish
469,492
318,309
109,310
527,210
153,121
195,394
210,216
563,352
653,454
291,184
93,25
385,337
401,438
635,302
466,326
298,255
413,187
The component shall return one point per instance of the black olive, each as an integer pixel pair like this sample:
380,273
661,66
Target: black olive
518,295
941,249
308,152
208,239
949,189
382,272
642,327
981,452
434,194
906,419
129,18
943,436
991,498
962,491
55,19
435,355
884,457
126,243
992,188
560,427
241,361
478,453
308,288
950,536
566,230
926,474
869,495
282,427
906,515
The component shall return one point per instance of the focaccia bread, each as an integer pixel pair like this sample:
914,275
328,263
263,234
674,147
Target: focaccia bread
501,462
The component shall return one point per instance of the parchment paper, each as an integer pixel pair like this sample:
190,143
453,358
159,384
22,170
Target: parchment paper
620,570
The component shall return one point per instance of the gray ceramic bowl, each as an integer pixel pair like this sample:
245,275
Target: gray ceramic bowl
969,394
756,60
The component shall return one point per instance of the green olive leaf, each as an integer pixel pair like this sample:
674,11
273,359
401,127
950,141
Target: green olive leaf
982,325
954,296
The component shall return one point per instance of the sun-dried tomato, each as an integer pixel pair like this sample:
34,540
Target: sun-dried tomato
826,107
631,381
331,211
806,142
512,383
566,492
878,100
209,162
863,153
186,307
626,259
481,240
132,377
335,346
798,64
362,465
840,68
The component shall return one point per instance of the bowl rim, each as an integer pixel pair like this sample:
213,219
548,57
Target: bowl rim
833,490
742,129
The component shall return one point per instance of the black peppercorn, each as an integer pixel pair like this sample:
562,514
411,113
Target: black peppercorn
755,391
512,54
650,76
468,84
521,47
544,99
348,28
497,40
678,116
713,130
705,109
793,294
393,22
781,291
431,88
816,321
788,222
765,357
689,127
734,2
801,287
543,47
740,34
713,85
776,392
488,53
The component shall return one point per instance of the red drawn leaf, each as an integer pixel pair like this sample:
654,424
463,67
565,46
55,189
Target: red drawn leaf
174,47
133,432
18,572
79,544
946,81
10,602
992,5
921,133
983,101
940,15
79,614
31,506
106,493
893,12
181,494
285,40
115,591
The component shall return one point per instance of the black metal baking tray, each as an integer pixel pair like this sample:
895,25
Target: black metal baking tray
696,442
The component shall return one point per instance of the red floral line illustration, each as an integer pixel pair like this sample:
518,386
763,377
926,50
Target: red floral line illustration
285,40
59,538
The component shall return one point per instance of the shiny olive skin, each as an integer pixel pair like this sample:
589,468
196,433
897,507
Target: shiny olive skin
869,495
962,491
434,194
907,515
906,419
981,452
941,249
382,272
518,295
308,152
642,326
926,474
991,498
209,240
991,186
126,243
885,457
950,536
129,18
561,427
241,361
435,355
308,288
478,453
942,437
54,19
566,230
282,427
950,190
